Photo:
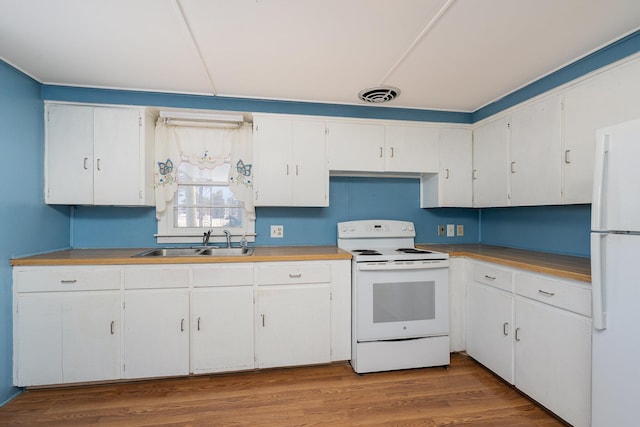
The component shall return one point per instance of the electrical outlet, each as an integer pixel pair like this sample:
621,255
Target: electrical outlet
440,229
277,231
450,230
459,230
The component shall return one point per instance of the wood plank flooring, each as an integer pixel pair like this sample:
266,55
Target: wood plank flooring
465,394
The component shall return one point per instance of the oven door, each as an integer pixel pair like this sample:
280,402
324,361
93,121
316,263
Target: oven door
401,299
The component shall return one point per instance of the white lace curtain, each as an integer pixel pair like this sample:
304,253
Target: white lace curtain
206,148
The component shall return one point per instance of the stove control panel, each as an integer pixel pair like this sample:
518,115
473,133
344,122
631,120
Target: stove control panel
375,229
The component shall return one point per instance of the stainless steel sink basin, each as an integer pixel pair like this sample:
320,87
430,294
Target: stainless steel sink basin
227,251
199,251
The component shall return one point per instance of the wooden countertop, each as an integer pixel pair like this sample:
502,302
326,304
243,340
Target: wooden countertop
570,267
124,256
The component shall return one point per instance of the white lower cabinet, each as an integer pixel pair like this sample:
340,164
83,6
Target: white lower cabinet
95,324
535,332
553,366
156,333
490,325
66,326
222,318
294,325
294,311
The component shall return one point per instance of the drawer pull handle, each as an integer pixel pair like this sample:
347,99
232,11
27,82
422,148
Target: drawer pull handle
262,315
113,323
505,328
68,281
517,335
181,325
198,323
392,154
85,163
545,293
380,152
446,175
295,276
486,276
567,160
513,167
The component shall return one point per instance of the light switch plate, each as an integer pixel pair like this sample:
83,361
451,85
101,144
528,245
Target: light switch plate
440,229
459,230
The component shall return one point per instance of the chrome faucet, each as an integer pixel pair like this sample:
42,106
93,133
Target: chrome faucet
227,234
205,238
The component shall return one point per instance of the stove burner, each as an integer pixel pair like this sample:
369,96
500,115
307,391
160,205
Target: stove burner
413,251
366,252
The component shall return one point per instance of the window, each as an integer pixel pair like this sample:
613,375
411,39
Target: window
193,186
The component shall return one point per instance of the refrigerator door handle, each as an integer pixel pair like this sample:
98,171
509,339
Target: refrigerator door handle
598,283
599,182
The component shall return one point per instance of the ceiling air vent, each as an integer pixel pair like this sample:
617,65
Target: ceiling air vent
379,94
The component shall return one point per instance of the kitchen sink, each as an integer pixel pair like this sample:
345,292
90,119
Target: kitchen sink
197,252
244,251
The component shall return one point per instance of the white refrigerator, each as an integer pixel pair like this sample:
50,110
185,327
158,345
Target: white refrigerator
615,271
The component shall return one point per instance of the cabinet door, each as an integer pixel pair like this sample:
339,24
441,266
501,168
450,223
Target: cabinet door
69,154
491,164
309,168
156,333
294,325
356,147
535,153
118,176
39,339
553,359
411,149
604,100
91,336
272,156
455,168
490,328
222,323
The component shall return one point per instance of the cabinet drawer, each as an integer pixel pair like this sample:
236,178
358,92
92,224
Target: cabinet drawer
68,280
223,275
156,278
493,276
559,294
292,273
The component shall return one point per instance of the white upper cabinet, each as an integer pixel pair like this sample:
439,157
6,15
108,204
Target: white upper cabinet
411,148
379,147
290,162
535,153
356,146
491,163
98,155
603,100
451,186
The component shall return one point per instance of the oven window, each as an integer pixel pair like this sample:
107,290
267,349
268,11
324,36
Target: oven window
404,301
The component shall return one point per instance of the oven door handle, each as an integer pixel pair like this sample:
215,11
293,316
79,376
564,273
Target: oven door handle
416,265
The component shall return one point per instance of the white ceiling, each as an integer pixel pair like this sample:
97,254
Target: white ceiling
455,55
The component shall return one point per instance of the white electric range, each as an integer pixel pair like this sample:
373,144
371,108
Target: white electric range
400,297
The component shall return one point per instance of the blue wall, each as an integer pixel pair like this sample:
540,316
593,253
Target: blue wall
350,199
558,229
27,225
